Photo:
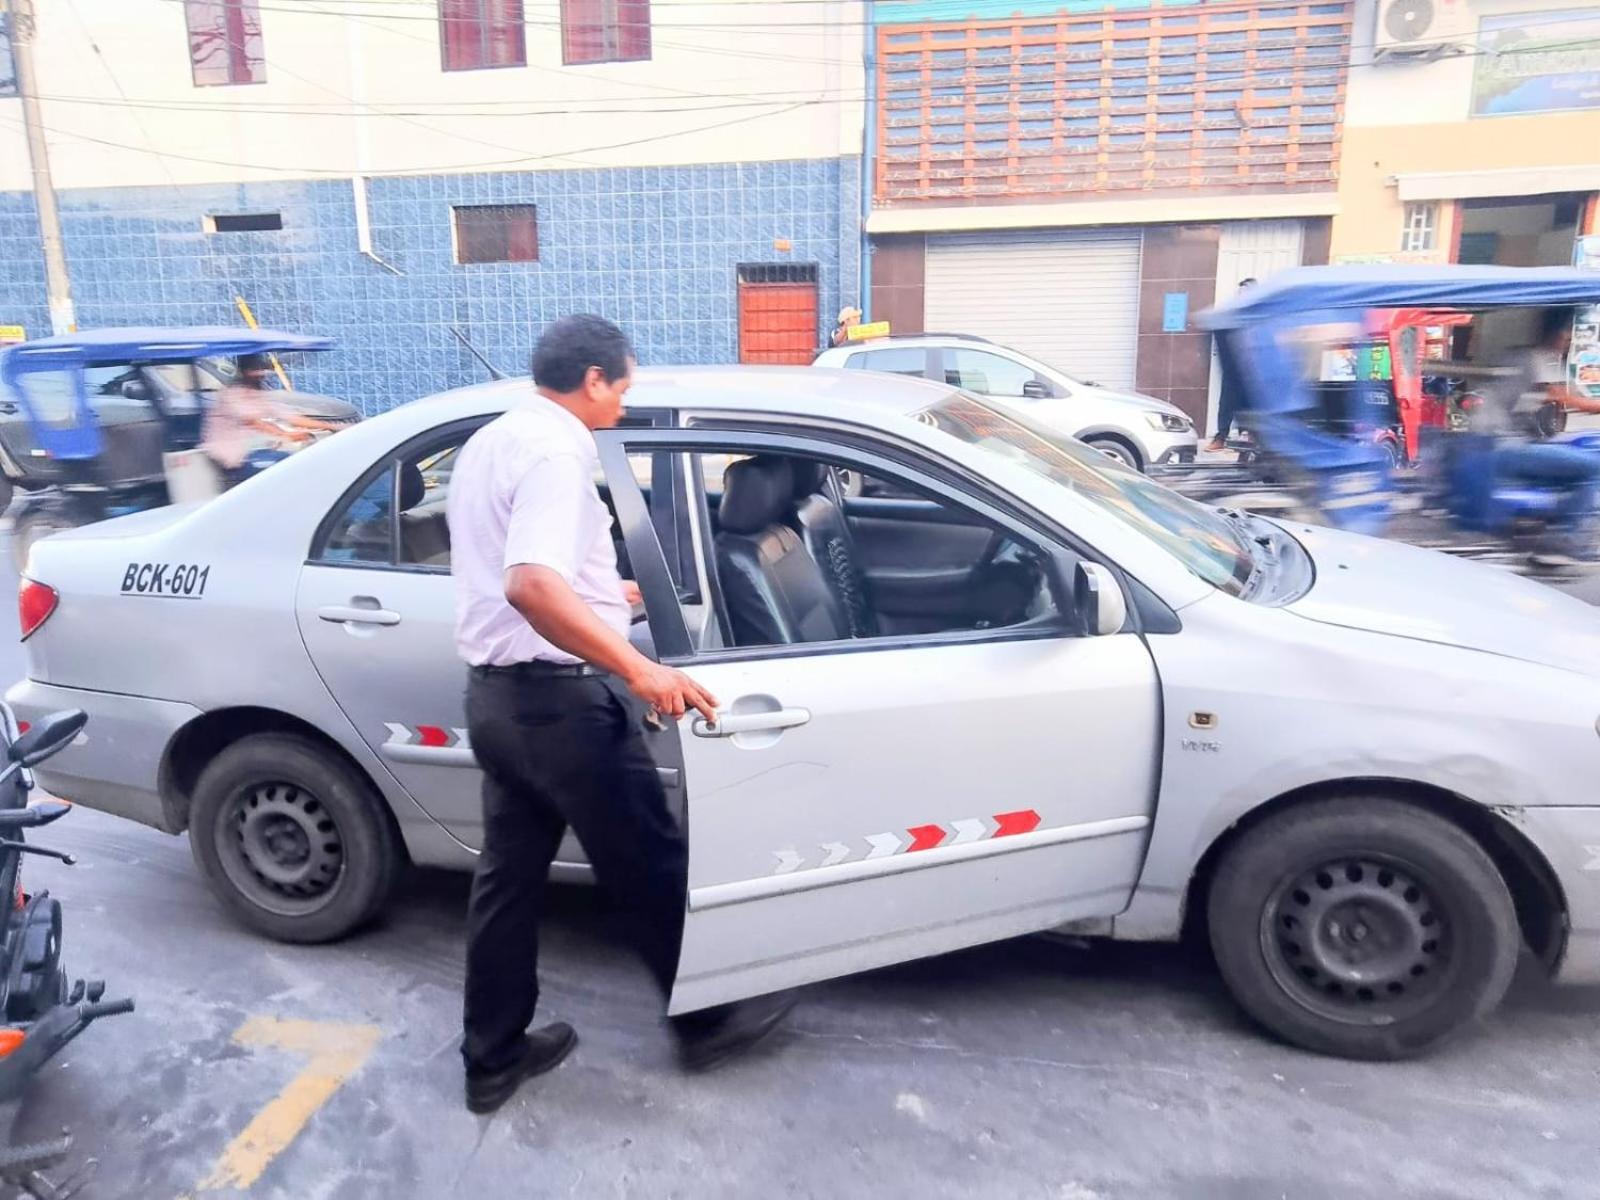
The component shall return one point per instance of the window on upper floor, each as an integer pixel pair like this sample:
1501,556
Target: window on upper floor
225,42
488,233
8,66
475,34
1420,231
598,31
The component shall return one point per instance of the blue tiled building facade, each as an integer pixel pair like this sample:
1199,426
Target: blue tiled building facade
656,249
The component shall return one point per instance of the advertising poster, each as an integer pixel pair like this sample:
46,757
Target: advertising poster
1584,360
1537,62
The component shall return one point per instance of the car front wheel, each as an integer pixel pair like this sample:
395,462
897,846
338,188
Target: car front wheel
1362,927
1119,451
292,840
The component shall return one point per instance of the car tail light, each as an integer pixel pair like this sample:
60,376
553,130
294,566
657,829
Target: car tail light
35,602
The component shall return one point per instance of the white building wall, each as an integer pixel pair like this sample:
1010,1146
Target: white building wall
729,81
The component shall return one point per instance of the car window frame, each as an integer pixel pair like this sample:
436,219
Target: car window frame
1050,385
465,427
928,355
720,437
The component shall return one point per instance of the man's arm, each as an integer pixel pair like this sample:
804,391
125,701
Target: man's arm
548,603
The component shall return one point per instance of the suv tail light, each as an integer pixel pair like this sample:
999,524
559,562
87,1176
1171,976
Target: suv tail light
35,602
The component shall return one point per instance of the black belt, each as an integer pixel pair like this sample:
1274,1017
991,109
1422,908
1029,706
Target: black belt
541,669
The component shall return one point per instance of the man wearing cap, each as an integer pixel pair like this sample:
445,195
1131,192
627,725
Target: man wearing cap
848,319
557,699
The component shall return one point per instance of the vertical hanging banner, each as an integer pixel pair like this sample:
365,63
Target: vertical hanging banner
1584,359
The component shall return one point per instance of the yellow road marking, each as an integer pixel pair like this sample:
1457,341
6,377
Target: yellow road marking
335,1052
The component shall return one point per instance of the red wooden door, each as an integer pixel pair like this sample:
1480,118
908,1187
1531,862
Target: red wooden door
777,322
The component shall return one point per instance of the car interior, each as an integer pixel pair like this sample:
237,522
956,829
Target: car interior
792,557
796,560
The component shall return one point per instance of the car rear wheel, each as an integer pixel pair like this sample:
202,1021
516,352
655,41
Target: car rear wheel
1116,448
292,840
1362,927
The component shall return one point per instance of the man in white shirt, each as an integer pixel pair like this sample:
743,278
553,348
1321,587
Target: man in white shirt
556,703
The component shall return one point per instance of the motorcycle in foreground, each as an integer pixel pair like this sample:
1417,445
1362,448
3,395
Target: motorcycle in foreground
40,1011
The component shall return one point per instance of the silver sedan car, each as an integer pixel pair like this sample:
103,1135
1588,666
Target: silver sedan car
1014,688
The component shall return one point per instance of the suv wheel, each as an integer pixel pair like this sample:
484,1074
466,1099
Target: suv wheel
292,840
1362,927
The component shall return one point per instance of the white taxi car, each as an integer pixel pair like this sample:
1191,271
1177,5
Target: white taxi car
1017,688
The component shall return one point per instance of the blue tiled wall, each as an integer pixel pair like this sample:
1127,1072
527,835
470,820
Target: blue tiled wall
653,248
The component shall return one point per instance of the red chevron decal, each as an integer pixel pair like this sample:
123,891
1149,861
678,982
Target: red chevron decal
1025,821
925,837
432,735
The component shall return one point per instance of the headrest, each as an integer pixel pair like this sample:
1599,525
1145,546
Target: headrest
412,488
808,474
756,492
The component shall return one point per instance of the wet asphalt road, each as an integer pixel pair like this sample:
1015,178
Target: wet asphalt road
1030,1069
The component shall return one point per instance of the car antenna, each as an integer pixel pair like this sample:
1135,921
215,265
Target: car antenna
494,371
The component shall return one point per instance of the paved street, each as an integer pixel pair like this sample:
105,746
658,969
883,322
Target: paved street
1036,1068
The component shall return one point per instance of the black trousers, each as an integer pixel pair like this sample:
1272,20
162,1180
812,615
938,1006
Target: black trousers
559,751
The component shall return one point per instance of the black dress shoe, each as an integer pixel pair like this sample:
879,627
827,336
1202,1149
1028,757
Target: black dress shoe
744,1025
543,1051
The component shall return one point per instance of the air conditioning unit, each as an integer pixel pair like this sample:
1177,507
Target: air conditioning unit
1412,30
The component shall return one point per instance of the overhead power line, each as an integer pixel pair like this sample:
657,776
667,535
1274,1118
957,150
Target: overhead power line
431,169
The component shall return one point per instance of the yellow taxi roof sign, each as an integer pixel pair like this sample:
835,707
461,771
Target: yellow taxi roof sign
862,333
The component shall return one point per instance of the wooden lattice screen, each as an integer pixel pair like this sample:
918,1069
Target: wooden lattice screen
1219,96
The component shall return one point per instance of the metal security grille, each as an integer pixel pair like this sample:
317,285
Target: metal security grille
1224,95
778,273
777,313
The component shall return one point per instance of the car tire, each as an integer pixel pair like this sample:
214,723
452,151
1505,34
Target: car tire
29,528
292,839
1116,448
1362,927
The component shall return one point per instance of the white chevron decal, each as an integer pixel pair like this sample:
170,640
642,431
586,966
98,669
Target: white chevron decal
970,830
837,853
399,733
788,861
885,844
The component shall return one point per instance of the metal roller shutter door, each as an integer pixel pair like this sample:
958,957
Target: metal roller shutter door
1069,299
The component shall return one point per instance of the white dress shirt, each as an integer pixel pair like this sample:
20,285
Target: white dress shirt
523,492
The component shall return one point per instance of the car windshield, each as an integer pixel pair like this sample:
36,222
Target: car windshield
1200,538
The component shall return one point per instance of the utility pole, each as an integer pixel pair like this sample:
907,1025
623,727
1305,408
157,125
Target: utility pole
62,317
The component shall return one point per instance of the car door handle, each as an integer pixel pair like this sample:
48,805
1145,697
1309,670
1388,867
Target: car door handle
730,724
347,614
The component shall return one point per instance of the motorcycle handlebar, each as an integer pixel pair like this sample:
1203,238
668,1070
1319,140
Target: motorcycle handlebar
107,1008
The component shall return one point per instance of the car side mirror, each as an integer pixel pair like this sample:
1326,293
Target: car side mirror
1034,390
50,736
135,389
1098,600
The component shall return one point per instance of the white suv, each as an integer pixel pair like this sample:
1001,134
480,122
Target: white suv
1137,430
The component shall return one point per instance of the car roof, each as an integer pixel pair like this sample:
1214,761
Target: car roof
155,342
787,390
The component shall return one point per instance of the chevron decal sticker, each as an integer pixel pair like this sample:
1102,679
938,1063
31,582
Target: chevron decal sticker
431,736
905,841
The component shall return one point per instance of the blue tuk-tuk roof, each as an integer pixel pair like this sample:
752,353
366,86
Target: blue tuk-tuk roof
153,343
1392,285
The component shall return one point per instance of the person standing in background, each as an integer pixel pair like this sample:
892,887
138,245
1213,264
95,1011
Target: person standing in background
1230,391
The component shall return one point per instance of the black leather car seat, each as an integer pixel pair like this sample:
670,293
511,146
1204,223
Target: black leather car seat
827,536
775,592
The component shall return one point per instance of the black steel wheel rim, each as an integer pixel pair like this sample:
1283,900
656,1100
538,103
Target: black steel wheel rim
281,847
1360,939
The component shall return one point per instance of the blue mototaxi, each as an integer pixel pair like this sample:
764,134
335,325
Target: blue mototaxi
1263,334
87,419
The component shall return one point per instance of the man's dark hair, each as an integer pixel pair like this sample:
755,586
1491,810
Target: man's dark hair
571,345
1553,321
254,362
